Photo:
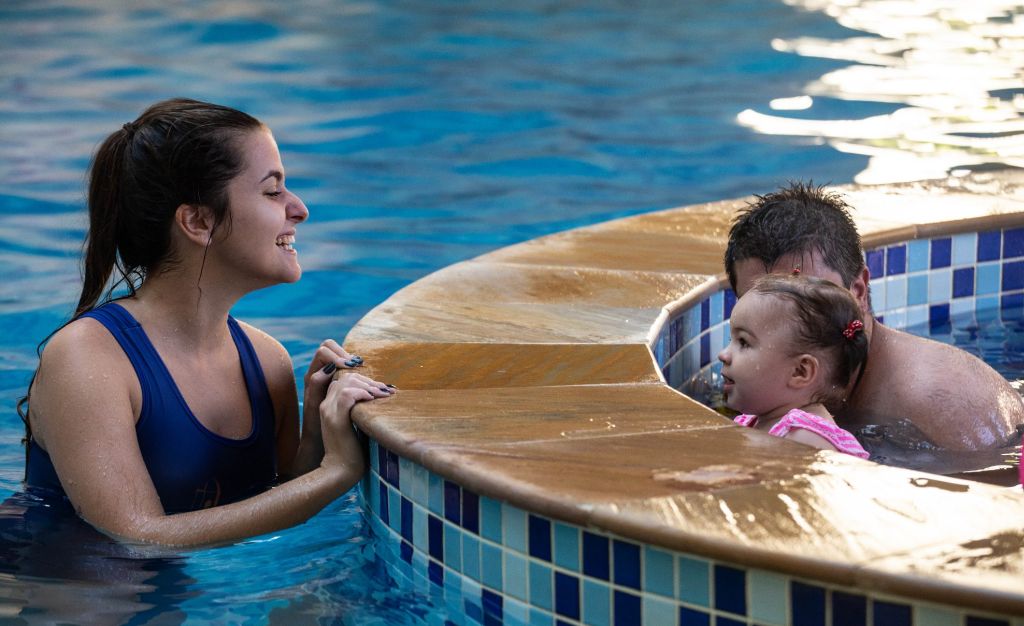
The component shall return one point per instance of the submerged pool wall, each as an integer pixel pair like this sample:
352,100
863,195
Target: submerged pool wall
536,469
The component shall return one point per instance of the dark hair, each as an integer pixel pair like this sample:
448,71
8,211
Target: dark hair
822,311
178,151
799,218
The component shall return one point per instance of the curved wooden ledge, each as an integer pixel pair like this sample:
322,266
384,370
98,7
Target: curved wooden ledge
526,375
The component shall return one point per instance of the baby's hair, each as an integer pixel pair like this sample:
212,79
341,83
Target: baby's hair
826,318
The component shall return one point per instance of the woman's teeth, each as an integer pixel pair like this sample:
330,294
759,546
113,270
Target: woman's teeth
286,242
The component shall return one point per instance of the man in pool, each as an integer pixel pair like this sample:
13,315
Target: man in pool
956,400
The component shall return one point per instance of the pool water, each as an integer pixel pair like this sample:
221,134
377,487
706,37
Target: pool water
419,134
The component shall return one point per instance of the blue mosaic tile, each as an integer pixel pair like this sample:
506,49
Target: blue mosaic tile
766,593
567,595
808,604
849,609
875,260
896,260
725,621
515,613
917,255
383,509
406,552
942,252
452,547
692,617
626,563
936,616
659,572
452,502
540,585
492,604
694,581
974,620
729,303
987,279
1013,243
989,246
658,612
491,565
596,562
490,519
715,309
407,519
705,349
940,286
540,618
938,317
419,528
373,489
917,289
436,573
626,608
435,494
596,603
471,556
470,511
513,520
987,309
1013,276
730,589
1011,306
705,314
891,614
965,249
540,537
963,282
515,576
435,536
567,547
394,510
896,292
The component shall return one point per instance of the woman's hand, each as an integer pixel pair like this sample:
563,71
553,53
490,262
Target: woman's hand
341,448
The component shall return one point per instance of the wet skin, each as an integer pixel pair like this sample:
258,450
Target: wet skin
958,401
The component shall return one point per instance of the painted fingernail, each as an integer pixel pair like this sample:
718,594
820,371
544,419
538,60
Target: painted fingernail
352,363
329,368
357,358
390,386
384,389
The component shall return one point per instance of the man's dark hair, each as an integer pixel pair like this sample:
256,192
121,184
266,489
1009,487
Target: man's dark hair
797,219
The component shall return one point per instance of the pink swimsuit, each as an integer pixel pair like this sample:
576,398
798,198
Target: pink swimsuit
842,440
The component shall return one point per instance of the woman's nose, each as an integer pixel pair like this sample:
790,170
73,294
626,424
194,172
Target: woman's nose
297,211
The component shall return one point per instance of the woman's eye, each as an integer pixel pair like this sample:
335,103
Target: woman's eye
273,194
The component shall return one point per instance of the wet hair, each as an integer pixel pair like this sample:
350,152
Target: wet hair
176,152
797,219
821,312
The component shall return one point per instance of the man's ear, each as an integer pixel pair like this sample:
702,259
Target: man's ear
805,371
859,288
195,222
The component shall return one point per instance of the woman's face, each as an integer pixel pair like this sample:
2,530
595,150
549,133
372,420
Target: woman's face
263,217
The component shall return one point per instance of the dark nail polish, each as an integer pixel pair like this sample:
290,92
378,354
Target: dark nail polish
351,363
329,368
357,359
390,386
384,389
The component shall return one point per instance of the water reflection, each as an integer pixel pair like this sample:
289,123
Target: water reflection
952,69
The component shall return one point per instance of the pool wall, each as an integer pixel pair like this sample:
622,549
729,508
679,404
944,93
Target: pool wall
535,468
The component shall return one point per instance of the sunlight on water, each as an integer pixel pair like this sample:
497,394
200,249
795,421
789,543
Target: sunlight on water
956,67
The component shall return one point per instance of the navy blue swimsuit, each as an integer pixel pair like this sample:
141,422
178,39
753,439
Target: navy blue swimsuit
191,467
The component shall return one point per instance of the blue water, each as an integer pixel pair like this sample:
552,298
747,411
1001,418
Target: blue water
419,134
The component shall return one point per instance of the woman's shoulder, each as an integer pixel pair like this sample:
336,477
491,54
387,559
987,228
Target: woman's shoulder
272,354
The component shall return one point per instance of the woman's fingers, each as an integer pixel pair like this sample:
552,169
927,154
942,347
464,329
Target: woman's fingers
328,358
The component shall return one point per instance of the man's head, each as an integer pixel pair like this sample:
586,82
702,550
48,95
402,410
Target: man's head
799,227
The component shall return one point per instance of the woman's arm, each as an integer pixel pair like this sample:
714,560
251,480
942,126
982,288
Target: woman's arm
84,404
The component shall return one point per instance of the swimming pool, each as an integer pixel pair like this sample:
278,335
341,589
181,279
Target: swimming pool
419,136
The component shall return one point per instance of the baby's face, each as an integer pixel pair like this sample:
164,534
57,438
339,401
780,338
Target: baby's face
757,363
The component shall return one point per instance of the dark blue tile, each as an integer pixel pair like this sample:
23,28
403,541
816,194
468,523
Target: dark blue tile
393,470
493,605
385,513
896,260
705,314
435,537
938,317
436,573
891,614
690,617
942,251
725,621
406,551
729,301
1011,307
406,519
473,611
731,589
470,511
973,620
705,349
452,502
1013,276
626,561
808,604
963,282
382,461
595,556
540,537
988,245
491,620
1013,243
567,595
875,260
559,622
849,609
627,609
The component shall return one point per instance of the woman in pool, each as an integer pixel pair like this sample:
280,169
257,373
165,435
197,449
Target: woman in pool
796,343
160,417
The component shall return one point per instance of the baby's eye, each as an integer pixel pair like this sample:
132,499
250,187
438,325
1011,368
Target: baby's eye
743,342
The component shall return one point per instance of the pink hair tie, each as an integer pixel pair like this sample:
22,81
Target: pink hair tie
852,329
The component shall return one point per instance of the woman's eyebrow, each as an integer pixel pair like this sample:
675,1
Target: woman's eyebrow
273,174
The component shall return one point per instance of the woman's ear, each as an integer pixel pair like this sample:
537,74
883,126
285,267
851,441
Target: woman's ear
805,371
195,222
